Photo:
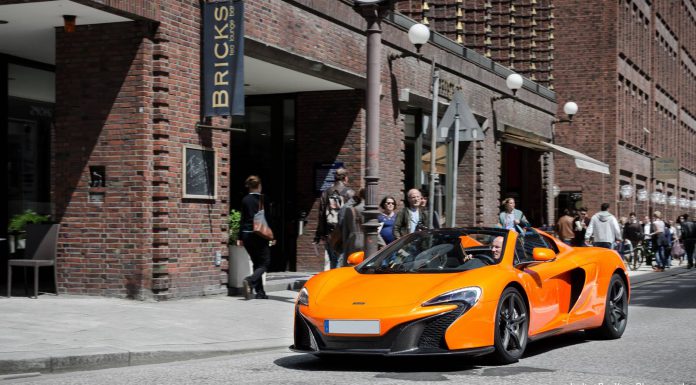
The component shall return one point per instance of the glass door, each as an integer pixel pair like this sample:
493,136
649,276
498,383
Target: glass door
267,149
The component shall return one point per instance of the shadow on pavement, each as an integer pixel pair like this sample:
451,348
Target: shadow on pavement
670,293
556,342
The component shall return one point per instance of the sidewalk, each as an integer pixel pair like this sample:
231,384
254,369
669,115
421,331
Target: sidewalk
66,333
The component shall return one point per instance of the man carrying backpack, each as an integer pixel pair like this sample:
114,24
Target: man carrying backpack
330,203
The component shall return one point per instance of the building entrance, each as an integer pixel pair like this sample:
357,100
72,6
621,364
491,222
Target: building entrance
267,149
521,178
26,113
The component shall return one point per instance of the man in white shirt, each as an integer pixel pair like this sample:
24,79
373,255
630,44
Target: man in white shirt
604,228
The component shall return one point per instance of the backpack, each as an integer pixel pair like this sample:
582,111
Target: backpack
333,208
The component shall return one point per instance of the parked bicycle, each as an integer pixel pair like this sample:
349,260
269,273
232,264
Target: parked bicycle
642,253
629,255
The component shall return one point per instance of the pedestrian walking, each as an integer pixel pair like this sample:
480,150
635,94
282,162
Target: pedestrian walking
511,218
603,228
350,223
411,218
580,224
633,230
257,246
564,228
436,216
659,241
688,236
330,203
387,219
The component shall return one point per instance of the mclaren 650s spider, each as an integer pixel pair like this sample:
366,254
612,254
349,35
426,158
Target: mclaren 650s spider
471,291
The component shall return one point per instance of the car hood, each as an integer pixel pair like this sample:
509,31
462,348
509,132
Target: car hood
349,288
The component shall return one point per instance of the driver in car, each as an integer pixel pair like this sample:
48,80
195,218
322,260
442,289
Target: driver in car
471,262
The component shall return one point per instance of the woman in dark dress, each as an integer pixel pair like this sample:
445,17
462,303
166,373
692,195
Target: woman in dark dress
257,246
387,218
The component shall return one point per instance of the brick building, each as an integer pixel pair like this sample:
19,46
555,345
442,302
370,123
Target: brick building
105,116
631,67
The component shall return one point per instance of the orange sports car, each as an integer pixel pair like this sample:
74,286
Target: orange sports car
462,291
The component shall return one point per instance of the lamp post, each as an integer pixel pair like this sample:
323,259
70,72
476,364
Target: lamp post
373,11
418,35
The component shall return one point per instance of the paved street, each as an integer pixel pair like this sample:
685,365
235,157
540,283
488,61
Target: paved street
654,350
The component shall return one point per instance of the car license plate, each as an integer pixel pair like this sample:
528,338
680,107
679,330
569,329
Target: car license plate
351,326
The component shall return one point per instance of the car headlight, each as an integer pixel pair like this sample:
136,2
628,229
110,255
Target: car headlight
469,295
303,298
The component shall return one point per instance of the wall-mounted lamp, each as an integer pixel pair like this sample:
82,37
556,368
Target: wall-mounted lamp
418,35
556,191
69,23
514,83
656,197
626,191
642,195
570,109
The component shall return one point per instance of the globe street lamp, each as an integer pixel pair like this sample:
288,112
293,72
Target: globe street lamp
418,35
514,82
570,109
374,12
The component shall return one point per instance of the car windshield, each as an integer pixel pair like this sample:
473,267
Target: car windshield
437,251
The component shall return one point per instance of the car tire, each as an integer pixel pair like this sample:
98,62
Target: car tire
615,311
511,327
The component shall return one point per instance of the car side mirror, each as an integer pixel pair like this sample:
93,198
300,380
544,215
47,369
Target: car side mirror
356,258
542,254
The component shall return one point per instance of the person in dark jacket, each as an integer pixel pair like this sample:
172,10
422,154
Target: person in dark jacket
257,246
633,230
411,218
350,222
327,227
688,236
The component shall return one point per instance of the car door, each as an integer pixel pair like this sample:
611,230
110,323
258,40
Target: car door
547,284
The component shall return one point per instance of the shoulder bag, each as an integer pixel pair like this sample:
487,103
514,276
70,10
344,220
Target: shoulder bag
261,227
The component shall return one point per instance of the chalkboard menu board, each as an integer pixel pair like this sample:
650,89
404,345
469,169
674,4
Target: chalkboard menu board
199,172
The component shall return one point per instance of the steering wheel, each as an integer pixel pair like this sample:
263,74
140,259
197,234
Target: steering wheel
488,260
435,253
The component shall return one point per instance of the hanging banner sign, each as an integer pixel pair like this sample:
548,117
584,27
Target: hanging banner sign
223,58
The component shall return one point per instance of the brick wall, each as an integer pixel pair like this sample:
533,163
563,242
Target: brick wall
585,72
103,247
631,87
145,239
128,100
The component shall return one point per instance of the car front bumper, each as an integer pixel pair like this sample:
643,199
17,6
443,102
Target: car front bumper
423,336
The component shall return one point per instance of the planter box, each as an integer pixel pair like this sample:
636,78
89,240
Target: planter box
240,267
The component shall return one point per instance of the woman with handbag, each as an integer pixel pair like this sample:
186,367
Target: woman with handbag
254,235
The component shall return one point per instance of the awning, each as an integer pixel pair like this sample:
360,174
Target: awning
440,160
582,161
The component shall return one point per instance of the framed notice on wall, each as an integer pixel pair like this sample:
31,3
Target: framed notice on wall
199,172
